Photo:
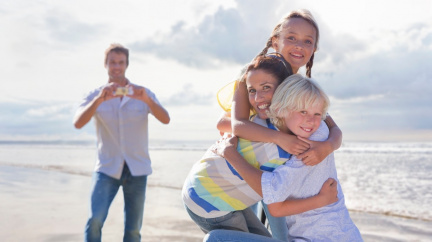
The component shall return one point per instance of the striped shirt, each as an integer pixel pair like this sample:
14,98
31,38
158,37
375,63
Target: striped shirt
213,187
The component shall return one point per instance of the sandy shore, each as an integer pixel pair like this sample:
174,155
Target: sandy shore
51,205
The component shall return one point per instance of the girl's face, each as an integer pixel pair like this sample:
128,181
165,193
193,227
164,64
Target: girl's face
261,86
296,42
304,122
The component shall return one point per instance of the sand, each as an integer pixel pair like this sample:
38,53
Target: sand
51,205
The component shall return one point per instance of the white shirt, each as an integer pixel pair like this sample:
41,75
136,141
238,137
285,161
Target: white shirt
122,134
295,180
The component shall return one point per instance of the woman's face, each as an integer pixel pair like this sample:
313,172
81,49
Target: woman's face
296,42
261,86
304,122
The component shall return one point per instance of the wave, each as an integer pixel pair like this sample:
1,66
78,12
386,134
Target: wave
391,214
387,148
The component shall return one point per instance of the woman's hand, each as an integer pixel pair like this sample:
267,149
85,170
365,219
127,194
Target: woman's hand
227,143
291,143
317,152
328,192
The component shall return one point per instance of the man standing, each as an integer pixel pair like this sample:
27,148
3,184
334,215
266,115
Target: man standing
120,110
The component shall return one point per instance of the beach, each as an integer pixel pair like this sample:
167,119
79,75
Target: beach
45,196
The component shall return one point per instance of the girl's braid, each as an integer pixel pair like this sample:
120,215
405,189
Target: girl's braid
267,46
269,43
309,66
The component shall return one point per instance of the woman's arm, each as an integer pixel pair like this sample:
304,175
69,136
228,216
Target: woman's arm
243,127
320,150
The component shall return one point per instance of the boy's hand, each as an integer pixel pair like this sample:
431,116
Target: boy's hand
329,192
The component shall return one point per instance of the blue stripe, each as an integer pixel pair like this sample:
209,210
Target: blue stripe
234,172
282,153
266,168
208,207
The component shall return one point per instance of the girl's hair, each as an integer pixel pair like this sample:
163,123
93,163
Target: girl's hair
118,48
273,64
294,94
303,14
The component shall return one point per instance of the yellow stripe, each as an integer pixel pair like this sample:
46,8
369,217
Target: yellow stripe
247,151
217,192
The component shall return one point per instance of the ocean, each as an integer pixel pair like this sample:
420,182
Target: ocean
387,178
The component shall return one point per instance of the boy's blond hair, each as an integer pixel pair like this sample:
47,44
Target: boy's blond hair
296,93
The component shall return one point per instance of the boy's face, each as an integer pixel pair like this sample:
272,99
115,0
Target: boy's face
261,87
305,122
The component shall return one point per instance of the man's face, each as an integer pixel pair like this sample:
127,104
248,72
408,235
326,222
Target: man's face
116,65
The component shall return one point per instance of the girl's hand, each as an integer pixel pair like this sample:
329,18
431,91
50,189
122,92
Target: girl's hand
291,143
317,152
225,144
328,192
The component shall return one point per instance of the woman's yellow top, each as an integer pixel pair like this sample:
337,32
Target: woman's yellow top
225,96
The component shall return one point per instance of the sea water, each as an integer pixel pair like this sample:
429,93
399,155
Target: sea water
385,178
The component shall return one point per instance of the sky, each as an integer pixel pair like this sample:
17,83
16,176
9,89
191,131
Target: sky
373,61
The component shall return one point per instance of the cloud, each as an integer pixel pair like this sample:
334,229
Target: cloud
187,97
65,28
232,35
36,118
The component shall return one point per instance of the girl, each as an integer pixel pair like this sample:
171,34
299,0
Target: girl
215,195
298,107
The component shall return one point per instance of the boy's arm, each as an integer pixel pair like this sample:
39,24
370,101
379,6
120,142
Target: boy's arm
320,150
243,127
326,196
252,176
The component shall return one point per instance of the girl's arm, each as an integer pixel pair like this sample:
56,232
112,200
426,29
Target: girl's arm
320,150
326,196
243,127
224,123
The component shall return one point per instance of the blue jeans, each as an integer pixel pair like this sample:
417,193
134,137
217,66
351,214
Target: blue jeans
278,225
104,190
243,220
220,235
